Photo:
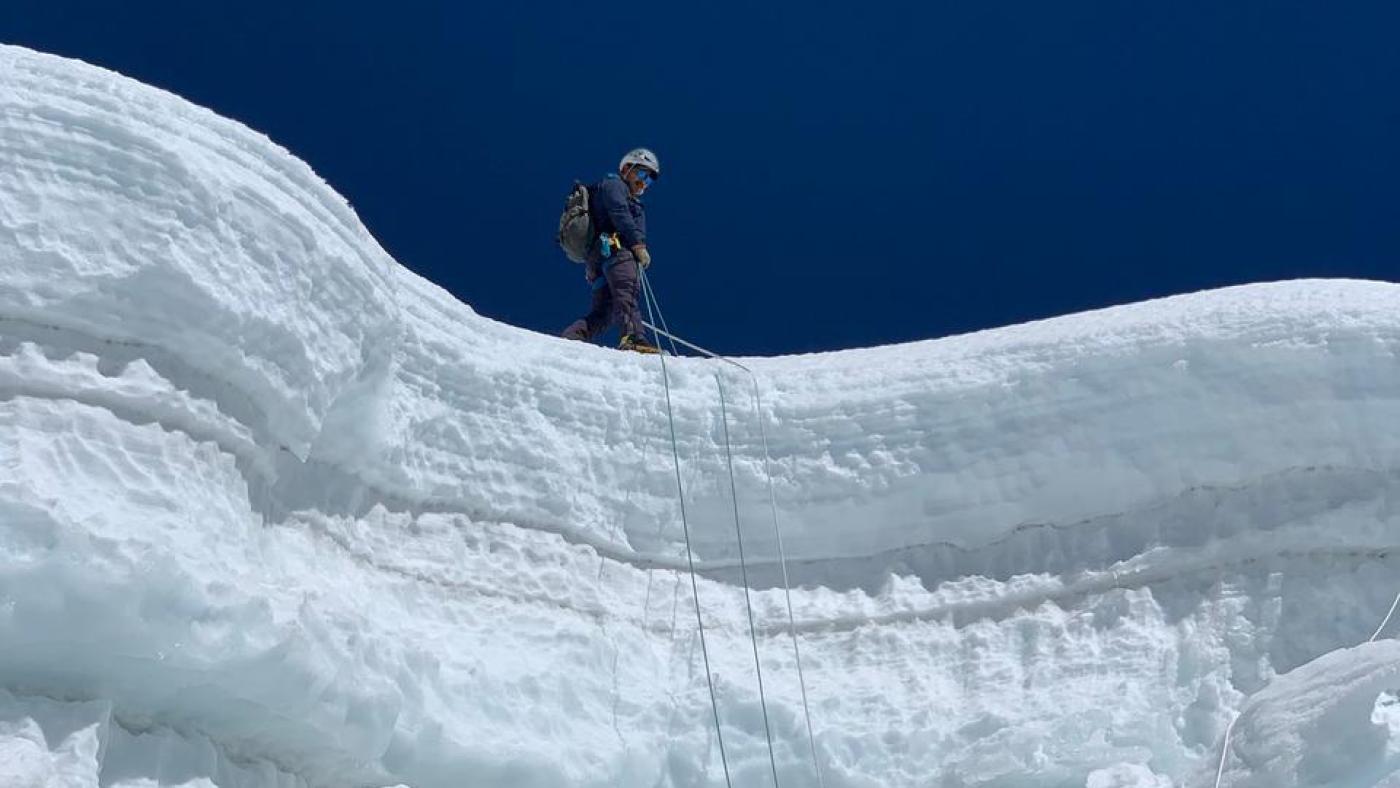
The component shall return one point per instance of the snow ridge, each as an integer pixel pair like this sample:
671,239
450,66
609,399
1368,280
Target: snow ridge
274,511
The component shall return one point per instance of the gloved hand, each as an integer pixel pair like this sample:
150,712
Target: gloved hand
643,256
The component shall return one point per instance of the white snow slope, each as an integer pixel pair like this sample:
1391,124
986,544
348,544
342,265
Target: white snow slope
274,511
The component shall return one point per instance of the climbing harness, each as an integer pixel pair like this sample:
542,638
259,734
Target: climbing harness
655,315
607,243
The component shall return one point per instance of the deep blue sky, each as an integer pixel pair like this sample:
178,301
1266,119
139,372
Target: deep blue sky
837,174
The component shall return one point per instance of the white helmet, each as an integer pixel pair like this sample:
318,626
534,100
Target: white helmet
642,157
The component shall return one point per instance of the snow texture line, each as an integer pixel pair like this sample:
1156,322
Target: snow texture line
1000,607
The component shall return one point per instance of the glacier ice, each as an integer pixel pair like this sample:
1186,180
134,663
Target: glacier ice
274,511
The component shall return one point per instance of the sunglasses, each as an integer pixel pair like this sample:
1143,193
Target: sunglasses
644,175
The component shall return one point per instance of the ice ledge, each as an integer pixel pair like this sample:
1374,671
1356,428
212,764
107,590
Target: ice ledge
141,231
185,309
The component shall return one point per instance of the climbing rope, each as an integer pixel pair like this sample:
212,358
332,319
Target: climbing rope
1225,750
690,558
1386,620
787,593
744,575
664,330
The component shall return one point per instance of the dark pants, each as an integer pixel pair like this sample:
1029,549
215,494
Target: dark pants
613,302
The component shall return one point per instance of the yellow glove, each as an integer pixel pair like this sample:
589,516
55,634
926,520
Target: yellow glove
643,256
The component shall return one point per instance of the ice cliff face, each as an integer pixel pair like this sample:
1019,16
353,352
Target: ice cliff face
275,511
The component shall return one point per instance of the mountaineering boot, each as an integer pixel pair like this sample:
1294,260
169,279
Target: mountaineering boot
637,343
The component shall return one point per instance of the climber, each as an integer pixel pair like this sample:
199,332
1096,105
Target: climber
615,248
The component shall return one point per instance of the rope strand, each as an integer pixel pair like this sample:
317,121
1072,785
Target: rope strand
690,558
744,575
1385,621
787,592
665,331
1225,750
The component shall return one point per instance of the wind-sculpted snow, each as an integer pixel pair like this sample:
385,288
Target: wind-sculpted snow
274,511
135,218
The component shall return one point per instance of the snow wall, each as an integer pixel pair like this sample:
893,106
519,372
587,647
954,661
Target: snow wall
274,511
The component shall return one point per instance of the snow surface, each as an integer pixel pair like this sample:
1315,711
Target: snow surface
274,511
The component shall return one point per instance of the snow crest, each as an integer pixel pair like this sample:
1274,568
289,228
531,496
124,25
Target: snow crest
274,511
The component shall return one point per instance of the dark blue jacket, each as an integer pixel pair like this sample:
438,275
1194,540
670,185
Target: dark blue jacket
614,210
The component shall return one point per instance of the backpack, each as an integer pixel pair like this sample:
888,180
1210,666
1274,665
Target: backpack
576,225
